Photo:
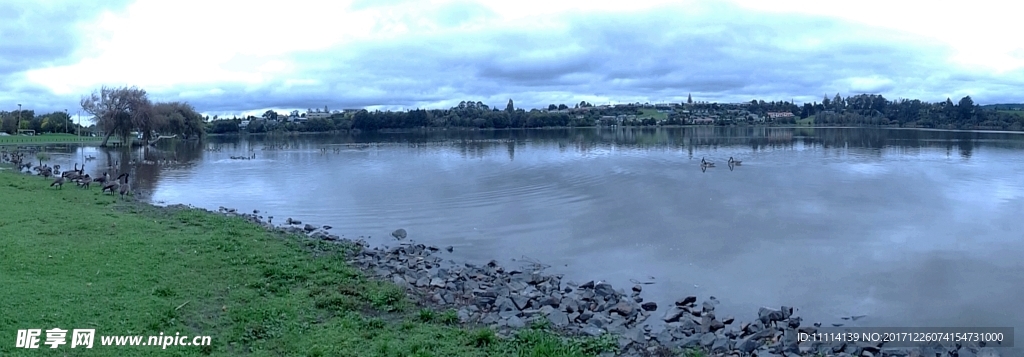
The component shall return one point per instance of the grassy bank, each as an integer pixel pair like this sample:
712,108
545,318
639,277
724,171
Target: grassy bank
47,139
73,258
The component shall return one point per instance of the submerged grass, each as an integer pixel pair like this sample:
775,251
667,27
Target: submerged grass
74,258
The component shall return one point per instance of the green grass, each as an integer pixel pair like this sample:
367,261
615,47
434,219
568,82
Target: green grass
73,258
46,139
805,121
652,113
1019,113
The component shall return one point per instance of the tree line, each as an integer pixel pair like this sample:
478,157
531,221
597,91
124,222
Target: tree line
122,111
875,109
862,109
26,119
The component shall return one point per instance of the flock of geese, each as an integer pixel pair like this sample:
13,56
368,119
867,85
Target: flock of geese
119,185
705,164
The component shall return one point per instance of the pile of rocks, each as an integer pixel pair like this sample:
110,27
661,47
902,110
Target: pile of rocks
512,298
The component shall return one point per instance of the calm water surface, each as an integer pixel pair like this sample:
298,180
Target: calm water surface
911,228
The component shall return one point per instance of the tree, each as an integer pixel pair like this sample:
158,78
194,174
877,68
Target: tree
179,118
552,107
119,111
510,108
563,107
965,109
270,114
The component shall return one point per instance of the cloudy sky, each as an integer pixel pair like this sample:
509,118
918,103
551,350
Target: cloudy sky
235,57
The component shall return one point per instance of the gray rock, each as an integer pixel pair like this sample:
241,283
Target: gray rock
721,345
521,302
623,309
437,282
673,315
649,306
507,314
399,233
585,316
604,289
692,341
558,319
515,322
591,330
747,345
686,301
547,301
707,339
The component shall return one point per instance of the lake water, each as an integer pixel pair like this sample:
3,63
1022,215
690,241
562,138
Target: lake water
908,227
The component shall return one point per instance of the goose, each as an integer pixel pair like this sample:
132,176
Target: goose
76,173
125,188
115,184
85,181
59,182
734,161
706,163
102,179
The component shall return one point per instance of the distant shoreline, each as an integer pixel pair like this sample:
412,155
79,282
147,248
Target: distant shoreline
433,129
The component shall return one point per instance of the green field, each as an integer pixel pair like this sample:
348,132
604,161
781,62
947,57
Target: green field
805,121
652,113
47,139
75,259
1019,113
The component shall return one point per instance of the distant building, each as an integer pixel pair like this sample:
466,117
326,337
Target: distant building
776,115
310,114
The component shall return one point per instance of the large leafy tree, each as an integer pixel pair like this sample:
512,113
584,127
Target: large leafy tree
179,118
119,111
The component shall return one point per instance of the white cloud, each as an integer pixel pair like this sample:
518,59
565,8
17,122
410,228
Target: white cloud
981,31
231,56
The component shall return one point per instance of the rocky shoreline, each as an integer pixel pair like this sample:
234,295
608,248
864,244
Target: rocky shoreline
510,298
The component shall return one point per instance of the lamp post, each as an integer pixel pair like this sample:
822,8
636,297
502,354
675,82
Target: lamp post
79,132
17,129
67,118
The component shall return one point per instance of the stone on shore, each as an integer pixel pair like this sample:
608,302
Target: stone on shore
399,233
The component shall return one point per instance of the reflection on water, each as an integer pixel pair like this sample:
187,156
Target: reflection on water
908,227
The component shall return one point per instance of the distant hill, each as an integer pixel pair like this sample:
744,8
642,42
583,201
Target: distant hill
1004,106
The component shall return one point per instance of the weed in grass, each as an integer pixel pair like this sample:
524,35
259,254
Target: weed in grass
449,317
375,323
426,315
694,352
388,297
483,337
597,345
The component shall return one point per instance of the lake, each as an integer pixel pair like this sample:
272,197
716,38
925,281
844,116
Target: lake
907,227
